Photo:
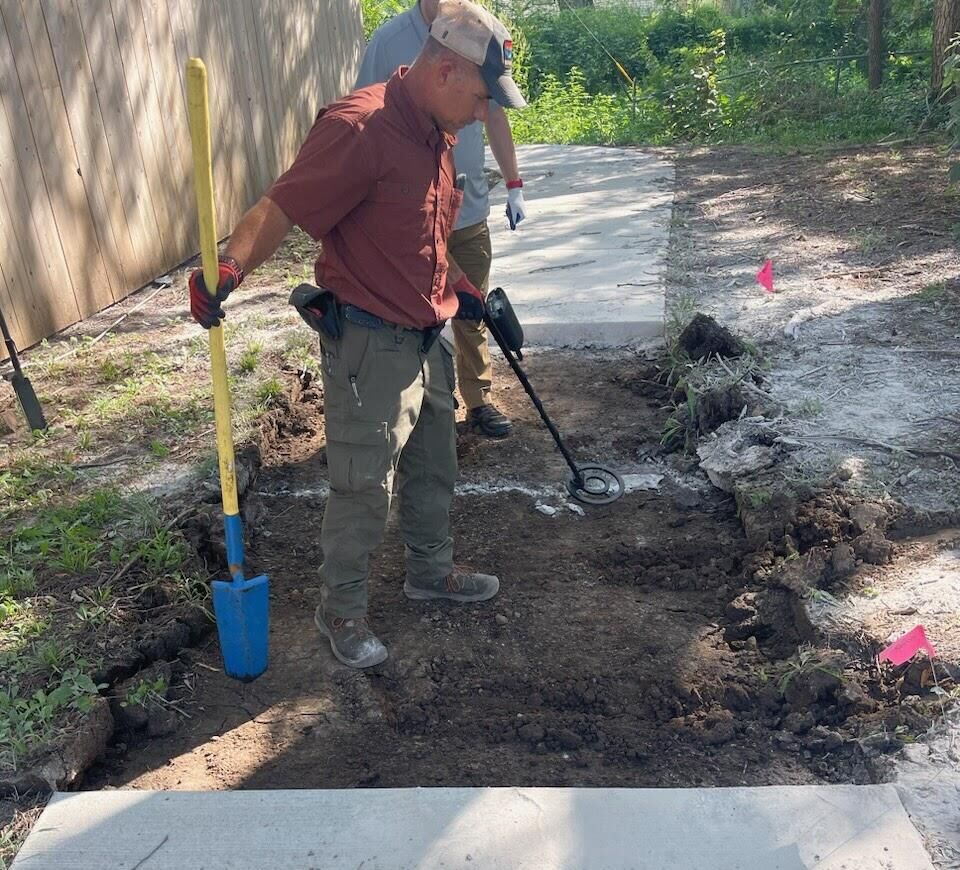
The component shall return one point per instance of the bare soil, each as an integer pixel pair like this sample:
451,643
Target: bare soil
606,659
667,639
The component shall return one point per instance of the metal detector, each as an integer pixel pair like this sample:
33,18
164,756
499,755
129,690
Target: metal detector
590,484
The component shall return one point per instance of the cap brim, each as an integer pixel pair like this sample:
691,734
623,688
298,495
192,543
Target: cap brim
504,91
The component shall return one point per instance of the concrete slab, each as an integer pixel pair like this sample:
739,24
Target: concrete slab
776,828
587,266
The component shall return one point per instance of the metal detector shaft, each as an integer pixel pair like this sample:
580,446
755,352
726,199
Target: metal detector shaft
521,376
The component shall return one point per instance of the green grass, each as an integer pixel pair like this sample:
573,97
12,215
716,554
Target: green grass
59,606
268,392
29,721
870,241
145,692
933,292
300,353
250,357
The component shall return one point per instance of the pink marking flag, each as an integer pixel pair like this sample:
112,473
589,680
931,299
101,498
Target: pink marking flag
765,276
904,648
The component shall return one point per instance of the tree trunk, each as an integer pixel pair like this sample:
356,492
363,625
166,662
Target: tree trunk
875,47
946,23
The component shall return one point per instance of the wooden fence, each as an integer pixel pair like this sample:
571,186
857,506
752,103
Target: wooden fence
96,195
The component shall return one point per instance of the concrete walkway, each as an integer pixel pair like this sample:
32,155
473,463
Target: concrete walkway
776,828
587,266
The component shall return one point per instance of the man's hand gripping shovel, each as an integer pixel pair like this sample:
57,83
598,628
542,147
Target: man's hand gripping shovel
241,605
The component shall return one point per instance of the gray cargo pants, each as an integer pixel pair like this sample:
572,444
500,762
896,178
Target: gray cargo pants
389,412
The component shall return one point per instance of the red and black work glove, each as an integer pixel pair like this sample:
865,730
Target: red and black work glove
472,303
206,309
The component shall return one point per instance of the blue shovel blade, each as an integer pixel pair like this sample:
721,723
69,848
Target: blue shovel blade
243,620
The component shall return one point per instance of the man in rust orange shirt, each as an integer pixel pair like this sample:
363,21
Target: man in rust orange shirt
374,182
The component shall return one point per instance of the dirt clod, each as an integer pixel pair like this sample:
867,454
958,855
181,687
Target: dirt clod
842,561
873,548
868,516
703,337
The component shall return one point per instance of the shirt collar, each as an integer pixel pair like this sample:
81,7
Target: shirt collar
421,125
421,28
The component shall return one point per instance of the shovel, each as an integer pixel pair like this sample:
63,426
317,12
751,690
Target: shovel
241,605
21,385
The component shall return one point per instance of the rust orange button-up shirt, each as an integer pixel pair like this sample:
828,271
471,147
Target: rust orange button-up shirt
374,183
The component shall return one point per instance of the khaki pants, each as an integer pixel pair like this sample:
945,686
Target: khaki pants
470,247
389,411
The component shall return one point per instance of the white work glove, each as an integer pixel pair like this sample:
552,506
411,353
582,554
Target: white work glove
516,210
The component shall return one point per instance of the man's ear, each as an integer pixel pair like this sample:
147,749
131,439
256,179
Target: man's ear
446,71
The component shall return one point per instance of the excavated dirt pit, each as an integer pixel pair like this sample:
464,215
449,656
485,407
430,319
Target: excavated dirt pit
644,643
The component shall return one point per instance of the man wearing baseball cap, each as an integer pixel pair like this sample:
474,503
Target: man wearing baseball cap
374,183
397,42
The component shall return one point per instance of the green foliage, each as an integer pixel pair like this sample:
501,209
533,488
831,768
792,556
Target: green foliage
693,102
702,74
673,29
146,692
951,95
560,43
29,722
269,392
566,113
375,12
250,357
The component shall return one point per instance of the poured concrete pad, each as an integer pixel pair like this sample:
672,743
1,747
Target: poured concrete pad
778,828
587,266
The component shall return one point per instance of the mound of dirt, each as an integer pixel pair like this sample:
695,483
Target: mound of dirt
703,336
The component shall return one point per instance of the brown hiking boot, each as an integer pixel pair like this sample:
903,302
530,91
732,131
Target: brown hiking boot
351,640
458,586
490,421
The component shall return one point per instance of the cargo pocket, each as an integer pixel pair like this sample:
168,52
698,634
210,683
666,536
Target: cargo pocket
358,455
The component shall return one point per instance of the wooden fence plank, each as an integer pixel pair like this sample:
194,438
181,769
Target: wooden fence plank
10,314
144,116
22,177
88,136
271,113
163,178
245,82
95,170
261,109
14,272
103,54
238,87
161,59
65,185
202,41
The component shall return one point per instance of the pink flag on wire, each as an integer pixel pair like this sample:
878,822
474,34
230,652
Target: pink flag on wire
765,276
904,648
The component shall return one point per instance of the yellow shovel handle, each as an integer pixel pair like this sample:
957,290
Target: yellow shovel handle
199,113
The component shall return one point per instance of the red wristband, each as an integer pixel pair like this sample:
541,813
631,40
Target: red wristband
513,185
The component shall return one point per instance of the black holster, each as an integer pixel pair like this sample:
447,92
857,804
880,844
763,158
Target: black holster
318,308
430,336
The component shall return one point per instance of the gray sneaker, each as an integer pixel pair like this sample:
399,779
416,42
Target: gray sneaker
458,586
351,640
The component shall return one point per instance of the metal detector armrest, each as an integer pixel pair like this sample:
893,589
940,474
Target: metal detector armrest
505,323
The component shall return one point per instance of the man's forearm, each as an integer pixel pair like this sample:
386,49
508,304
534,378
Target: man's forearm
258,235
501,143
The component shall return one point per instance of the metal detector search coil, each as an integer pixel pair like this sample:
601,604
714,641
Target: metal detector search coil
590,484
